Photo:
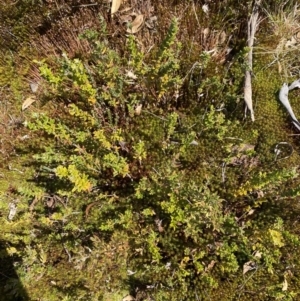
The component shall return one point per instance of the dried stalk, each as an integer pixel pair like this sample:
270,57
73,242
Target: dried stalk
252,27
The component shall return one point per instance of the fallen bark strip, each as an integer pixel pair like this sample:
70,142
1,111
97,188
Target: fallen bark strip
283,97
252,27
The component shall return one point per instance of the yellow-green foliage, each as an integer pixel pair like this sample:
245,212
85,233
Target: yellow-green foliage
73,74
137,187
138,173
161,73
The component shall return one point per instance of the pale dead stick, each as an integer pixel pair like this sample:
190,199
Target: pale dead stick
252,27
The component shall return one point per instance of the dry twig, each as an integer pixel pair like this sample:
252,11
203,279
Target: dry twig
252,27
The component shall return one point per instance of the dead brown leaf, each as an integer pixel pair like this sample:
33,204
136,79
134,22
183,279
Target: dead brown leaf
138,109
131,75
136,25
28,102
34,87
257,254
115,6
248,266
205,32
284,285
251,211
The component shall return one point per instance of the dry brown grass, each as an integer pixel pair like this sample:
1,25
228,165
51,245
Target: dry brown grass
63,35
284,24
197,31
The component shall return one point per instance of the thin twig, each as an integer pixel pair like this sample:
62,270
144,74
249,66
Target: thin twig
252,27
245,282
194,9
223,171
86,5
161,118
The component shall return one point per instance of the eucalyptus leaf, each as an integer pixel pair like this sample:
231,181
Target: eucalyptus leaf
115,6
136,25
28,102
248,266
34,87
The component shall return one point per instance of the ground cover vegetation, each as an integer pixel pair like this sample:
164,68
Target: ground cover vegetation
128,170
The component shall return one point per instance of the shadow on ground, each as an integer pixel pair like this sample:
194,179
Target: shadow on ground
11,288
